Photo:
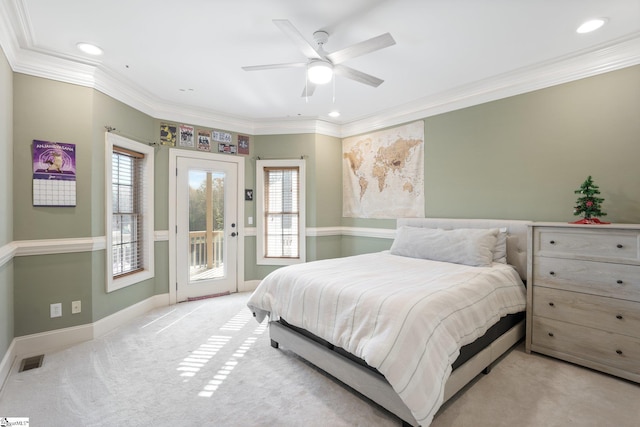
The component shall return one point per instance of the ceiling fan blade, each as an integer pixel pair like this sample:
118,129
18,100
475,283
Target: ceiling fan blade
274,66
356,75
359,49
308,90
292,32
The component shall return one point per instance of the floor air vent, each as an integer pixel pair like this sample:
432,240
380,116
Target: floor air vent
31,363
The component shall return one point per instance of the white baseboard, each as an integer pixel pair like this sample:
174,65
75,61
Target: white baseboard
6,364
248,286
109,323
41,343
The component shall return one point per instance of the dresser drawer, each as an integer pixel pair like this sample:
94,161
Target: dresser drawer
601,244
609,314
604,348
607,279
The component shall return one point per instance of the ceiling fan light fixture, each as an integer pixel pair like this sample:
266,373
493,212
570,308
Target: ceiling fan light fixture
319,72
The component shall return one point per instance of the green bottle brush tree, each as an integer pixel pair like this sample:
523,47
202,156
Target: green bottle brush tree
588,204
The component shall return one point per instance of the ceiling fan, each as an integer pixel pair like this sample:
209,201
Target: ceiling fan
322,65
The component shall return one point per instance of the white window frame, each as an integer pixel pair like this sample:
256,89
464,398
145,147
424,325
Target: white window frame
148,264
260,212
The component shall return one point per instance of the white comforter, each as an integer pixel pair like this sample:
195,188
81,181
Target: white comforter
406,317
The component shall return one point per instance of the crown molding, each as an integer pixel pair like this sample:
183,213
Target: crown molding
16,42
276,127
613,56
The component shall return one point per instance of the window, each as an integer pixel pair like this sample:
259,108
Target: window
280,212
129,207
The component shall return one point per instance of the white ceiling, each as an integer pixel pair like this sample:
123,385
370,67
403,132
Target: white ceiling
182,60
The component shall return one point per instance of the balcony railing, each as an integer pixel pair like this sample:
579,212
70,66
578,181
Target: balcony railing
205,250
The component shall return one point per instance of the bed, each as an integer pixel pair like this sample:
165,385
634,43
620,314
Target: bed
407,327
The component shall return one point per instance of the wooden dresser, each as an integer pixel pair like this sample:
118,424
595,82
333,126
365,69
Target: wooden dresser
583,295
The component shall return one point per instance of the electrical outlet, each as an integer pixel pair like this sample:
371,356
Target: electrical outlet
56,310
76,307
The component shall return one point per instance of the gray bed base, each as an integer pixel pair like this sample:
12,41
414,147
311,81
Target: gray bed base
373,385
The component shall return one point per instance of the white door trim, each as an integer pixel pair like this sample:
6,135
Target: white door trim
174,153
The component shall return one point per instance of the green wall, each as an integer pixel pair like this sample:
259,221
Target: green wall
6,197
523,157
131,123
516,158
323,166
53,111
57,112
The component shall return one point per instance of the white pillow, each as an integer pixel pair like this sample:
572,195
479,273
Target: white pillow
468,246
500,251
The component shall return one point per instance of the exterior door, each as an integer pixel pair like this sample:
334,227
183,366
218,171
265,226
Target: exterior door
206,228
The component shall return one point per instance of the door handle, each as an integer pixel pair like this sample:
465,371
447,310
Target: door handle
234,234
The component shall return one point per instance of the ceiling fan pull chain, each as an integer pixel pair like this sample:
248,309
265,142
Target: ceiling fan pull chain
306,88
334,89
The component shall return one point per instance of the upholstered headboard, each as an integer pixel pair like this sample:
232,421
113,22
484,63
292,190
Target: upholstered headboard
516,229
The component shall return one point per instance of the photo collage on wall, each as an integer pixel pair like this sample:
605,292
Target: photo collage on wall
186,136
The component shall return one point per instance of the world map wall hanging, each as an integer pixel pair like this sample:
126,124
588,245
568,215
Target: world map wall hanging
383,173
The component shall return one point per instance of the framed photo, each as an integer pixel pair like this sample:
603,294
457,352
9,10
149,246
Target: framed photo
186,136
168,134
243,144
204,140
219,136
227,148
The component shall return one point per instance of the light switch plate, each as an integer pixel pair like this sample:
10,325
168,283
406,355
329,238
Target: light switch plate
76,307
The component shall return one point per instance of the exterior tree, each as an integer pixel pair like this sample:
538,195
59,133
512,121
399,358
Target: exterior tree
589,204
198,206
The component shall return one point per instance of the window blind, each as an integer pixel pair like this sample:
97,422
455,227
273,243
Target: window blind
282,212
127,229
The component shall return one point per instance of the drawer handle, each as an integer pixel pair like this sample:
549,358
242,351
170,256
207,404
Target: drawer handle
619,246
550,334
619,352
552,304
619,282
553,242
619,317
553,273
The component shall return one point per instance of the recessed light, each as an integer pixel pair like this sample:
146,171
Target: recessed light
591,25
89,48
334,114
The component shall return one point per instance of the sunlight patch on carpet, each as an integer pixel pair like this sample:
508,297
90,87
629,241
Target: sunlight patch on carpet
231,363
197,359
238,321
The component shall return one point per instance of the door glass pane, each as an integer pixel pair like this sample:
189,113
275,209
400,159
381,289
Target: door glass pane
206,225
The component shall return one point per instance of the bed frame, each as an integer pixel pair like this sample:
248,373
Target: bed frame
373,385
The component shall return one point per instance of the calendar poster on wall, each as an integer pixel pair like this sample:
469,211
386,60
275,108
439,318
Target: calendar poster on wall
54,174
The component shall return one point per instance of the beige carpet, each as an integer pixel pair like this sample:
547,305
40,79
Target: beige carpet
209,363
